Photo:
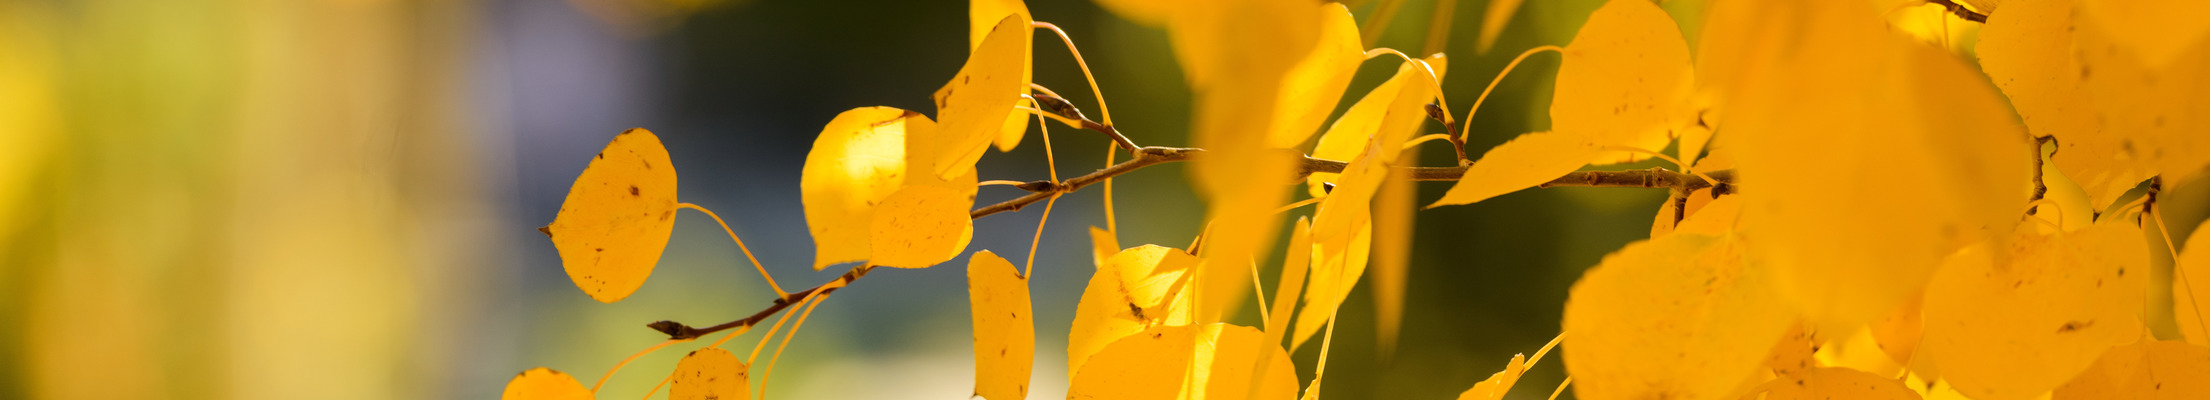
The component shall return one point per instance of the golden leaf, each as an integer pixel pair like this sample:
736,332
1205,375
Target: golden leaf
544,384
710,374
1005,327
617,217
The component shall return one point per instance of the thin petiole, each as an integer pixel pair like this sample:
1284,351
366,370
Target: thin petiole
786,343
1467,130
740,246
632,357
1101,107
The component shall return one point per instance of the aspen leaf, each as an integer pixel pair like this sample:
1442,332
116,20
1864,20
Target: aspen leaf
2155,115
1386,116
1314,86
1492,23
1109,308
1839,384
544,384
617,217
2015,326
1624,80
1899,333
974,106
1235,54
1333,275
1524,162
1846,248
1679,317
1159,362
982,17
710,374
858,161
1499,383
2027,51
2155,370
2191,286
1005,327
2158,31
1342,238
920,226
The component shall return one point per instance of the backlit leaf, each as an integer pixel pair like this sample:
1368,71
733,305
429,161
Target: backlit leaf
1235,54
1157,363
2154,110
1109,307
1529,160
1005,327
2156,370
1387,116
982,17
858,161
618,217
920,226
974,105
711,374
544,384
1676,317
2011,327
1950,169
1103,245
1314,86
1624,80
2027,51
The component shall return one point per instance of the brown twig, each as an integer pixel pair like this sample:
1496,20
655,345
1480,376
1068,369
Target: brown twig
1960,10
679,331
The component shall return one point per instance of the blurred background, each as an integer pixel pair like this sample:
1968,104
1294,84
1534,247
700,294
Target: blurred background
336,199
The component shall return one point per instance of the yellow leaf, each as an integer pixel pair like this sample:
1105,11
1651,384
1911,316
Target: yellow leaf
975,104
1342,238
1678,317
1492,23
2016,325
710,374
544,384
1499,383
1529,160
1158,363
1387,116
618,216
920,226
1235,54
2155,114
1851,244
2027,51
1314,86
2159,31
1839,384
1005,327
1899,333
2157,370
1109,308
857,162
1624,80
982,16
2191,286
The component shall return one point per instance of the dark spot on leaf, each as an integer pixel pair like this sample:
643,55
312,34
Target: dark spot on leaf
633,191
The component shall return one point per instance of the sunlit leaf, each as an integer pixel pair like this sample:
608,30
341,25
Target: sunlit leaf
1522,163
858,161
1624,80
1110,308
1951,165
2027,51
618,217
2153,110
1103,244
2016,325
1005,327
1157,363
2158,31
982,17
1314,86
2158,370
1235,54
1838,384
711,374
544,384
920,226
1387,116
975,105
1679,317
